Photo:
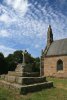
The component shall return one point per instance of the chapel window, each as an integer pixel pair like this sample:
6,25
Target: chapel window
59,65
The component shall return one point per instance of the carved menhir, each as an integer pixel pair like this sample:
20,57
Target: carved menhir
24,80
23,68
23,62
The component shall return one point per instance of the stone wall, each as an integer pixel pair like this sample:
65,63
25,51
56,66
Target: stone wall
50,66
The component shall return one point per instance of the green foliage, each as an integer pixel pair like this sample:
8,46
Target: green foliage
36,65
3,64
17,56
59,82
10,62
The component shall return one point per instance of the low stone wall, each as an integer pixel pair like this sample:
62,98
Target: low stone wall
13,87
60,74
10,78
2,76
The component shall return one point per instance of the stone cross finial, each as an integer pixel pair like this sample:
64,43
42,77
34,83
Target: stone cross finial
49,36
23,57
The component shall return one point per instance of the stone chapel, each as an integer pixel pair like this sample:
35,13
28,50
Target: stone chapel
54,57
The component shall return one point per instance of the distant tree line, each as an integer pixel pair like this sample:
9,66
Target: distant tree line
10,62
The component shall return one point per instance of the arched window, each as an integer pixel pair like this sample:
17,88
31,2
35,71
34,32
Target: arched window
59,65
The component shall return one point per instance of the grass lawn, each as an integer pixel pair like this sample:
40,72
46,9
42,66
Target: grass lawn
59,92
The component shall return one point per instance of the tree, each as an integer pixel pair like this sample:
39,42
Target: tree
36,65
28,58
11,63
3,64
14,59
17,57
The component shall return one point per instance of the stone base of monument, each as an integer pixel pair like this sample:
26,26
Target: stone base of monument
23,81
24,89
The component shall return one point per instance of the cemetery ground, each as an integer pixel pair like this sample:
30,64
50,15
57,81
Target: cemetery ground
58,92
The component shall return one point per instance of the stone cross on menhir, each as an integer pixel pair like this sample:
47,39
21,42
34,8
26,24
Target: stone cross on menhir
23,62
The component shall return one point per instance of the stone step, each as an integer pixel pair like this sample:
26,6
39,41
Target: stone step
30,80
10,73
24,80
26,74
32,74
24,89
10,78
36,87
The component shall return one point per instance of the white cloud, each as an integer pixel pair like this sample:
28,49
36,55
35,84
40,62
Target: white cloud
4,33
18,5
21,5
8,1
6,50
5,18
37,46
33,26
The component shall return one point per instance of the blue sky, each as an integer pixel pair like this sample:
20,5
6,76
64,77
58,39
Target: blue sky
24,24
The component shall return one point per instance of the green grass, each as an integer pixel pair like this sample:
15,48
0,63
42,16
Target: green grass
58,82
59,92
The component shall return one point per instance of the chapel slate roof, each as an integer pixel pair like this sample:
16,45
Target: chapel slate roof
58,47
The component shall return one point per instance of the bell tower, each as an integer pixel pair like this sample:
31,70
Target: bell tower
49,36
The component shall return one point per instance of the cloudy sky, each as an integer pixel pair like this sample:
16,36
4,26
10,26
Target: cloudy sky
24,24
